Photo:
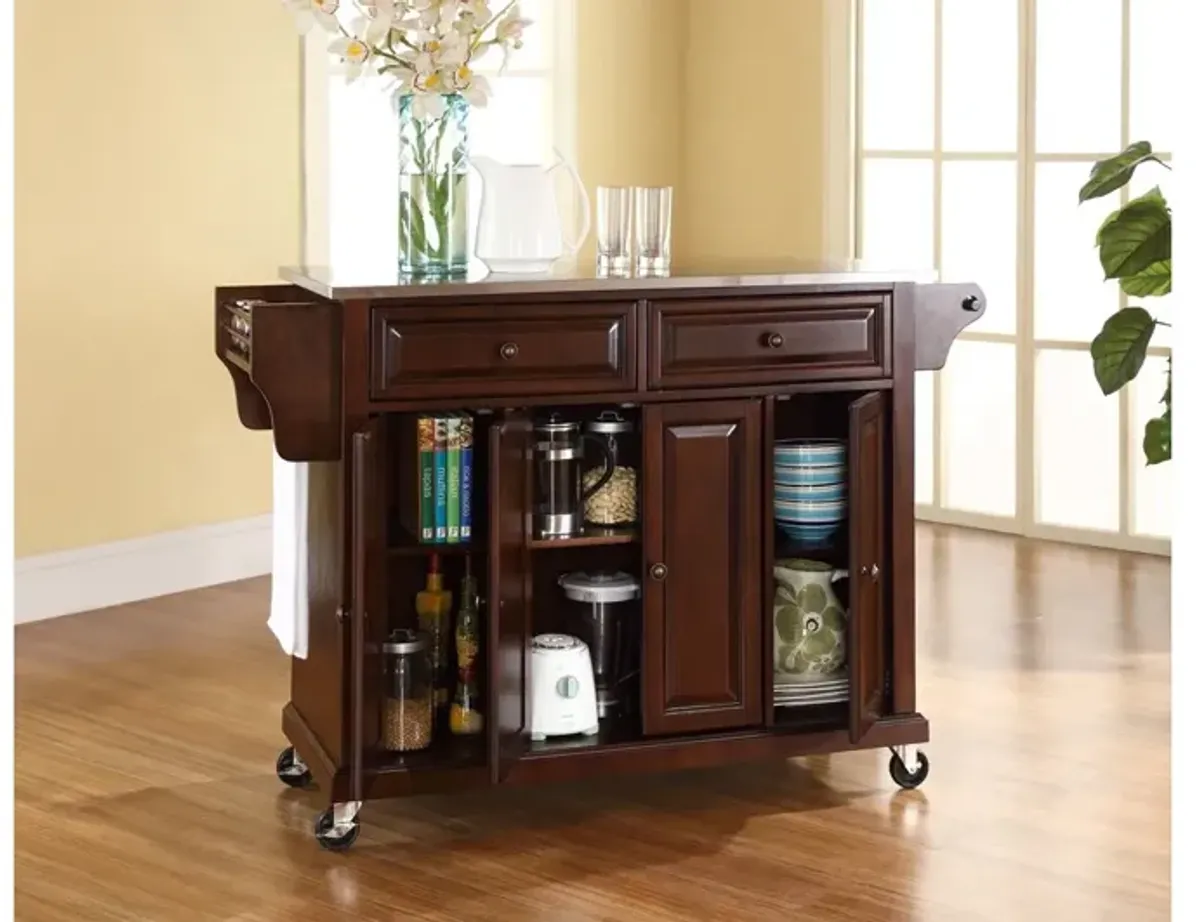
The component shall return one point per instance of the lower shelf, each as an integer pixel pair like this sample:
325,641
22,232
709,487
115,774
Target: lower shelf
447,752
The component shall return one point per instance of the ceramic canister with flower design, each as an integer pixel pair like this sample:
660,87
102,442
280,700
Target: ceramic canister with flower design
810,624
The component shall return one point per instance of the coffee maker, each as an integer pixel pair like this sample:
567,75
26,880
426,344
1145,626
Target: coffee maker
605,613
559,456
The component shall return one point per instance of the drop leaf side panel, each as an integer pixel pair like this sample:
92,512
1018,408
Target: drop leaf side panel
508,613
867,470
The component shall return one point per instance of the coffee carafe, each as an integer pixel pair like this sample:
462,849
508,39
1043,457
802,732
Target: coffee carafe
559,455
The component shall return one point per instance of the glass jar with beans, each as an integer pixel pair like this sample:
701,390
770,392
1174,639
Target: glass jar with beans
408,702
614,505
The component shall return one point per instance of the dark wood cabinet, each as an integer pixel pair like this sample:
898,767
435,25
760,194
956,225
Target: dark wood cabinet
713,370
702,657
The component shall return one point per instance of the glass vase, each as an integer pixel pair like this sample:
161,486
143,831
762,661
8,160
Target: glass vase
433,190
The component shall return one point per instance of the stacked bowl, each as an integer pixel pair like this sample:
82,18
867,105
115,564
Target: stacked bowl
810,489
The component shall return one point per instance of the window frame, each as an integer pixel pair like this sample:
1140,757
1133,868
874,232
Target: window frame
1027,347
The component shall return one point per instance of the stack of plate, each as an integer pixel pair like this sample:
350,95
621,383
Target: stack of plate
810,489
809,690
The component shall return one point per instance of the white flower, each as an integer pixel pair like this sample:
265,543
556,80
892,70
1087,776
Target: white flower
354,53
428,105
511,28
377,23
322,12
473,87
477,10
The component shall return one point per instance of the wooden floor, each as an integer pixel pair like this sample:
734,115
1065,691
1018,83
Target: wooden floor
145,785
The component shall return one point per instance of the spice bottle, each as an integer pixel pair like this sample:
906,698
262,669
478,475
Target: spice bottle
466,712
434,605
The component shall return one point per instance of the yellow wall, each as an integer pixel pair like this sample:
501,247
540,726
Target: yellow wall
630,94
753,141
156,156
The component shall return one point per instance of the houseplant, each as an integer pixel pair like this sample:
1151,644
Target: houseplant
424,53
1134,247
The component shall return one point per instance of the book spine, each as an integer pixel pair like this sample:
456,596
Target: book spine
453,450
425,444
439,480
466,436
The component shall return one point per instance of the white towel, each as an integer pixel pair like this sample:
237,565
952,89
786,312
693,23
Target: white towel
288,619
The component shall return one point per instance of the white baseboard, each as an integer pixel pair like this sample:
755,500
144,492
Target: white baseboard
62,583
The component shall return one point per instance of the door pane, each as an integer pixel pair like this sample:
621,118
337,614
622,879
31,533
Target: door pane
923,435
1151,483
898,58
1077,456
1071,298
364,147
979,424
1153,106
1078,76
897,228
979,236
979,75
514,127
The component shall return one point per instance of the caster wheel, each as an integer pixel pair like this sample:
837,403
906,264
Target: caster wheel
327,839
291,770
903,777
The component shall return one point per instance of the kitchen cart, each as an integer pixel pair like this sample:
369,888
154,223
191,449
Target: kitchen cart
715,364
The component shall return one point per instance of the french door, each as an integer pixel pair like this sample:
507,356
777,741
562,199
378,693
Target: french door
977,122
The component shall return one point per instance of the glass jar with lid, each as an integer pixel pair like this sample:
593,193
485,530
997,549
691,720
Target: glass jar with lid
615,503
408,698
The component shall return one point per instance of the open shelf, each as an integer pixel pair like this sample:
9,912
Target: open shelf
592,537
445,752
613,732
408,546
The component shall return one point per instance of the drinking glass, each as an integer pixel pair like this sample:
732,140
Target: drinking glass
614,229
653,218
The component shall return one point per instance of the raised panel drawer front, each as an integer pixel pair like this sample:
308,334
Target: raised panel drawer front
504,349
767,340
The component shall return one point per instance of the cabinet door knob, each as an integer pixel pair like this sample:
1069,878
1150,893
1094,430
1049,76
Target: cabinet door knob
658,572
775,340
873,570
509,351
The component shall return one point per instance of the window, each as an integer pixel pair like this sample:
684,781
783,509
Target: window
978,121
352,145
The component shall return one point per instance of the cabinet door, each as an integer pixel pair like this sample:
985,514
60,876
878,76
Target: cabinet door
508,593
702,655
366,591
867,516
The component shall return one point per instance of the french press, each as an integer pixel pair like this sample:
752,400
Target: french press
558,453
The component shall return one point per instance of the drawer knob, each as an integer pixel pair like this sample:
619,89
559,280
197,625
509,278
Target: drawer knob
658,572
775,340
509,351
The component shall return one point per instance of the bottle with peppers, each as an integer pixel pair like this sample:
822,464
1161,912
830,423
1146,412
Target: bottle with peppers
466,711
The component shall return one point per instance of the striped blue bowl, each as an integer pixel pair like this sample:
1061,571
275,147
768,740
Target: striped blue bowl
809,513
810,535
824,492
810,476
810,452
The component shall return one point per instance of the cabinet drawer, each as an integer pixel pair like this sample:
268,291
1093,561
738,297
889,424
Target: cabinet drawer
503,350
766,340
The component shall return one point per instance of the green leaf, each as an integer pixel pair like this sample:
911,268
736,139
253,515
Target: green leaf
1156,443
1111,174
1136,236
1152,282
1119,349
